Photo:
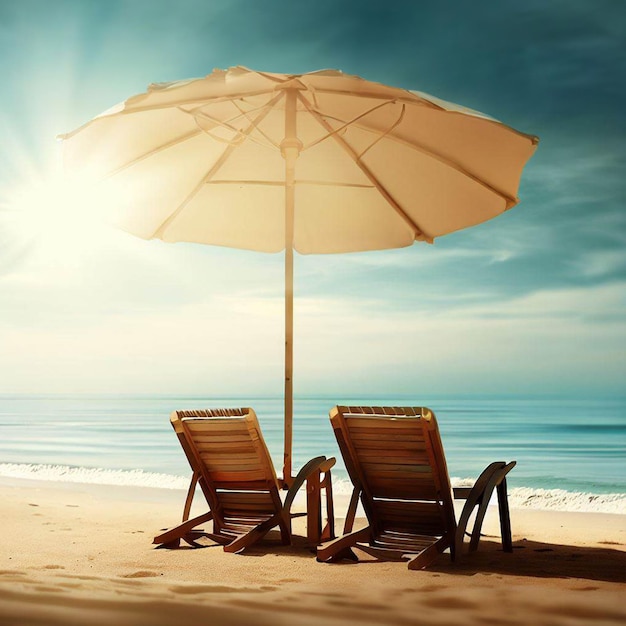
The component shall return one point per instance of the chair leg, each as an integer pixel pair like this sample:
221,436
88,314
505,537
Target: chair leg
335,547
190,493
351,514
285,529
505,518
429,554
347,554
254,535
478,522
179,532
314,509
329,529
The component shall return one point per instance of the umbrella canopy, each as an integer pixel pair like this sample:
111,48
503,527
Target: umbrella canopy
322,162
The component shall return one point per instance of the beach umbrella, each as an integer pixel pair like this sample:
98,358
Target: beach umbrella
322,162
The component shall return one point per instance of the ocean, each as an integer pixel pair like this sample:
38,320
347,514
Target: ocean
570,453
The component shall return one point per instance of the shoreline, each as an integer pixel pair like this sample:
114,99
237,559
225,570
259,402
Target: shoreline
81,553
520,497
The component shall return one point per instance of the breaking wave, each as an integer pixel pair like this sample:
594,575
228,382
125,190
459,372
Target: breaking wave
98,476
519,497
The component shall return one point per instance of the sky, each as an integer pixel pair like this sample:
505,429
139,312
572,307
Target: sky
531,302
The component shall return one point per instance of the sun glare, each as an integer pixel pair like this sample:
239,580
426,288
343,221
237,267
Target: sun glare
55,212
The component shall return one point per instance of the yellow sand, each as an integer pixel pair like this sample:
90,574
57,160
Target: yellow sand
81,554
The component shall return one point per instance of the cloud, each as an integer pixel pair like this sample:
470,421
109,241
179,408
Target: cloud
530,300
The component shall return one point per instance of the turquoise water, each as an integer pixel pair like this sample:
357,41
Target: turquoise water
574,445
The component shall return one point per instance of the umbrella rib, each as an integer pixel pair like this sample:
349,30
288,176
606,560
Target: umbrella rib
418,233
164,105
386,133
416,99
278,183
199,100
510,201
158,233
163,146
226,124
259,130
403,96
350,123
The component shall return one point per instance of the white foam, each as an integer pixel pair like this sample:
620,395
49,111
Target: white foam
558,499
69,474
561,500
519,497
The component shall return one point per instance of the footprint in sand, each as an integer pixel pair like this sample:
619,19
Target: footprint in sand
426,588
358,606
140,574
47,589
197,589
448,602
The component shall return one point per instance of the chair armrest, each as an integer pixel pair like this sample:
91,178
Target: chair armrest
494,473
479,495
330,462
461,493
320,464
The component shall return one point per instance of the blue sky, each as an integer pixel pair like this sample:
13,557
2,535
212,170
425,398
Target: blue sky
531,302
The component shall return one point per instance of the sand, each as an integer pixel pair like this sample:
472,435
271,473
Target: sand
82,554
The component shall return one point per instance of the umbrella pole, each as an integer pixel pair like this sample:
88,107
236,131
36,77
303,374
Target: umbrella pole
287,466
290,148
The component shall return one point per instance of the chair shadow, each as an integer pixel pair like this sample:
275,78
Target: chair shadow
529,558
539,560
270,544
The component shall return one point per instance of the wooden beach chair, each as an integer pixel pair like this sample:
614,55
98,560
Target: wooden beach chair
234,470
397,465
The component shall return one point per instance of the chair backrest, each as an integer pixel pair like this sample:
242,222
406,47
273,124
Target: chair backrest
395,455
227,449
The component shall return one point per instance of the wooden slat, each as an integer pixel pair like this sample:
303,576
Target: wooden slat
399,443
239,412
248,485
220,477
406,470
390,539
248,513
249,496
209,428
386,425
403,492
377,410
220,440
207,437
399,456
385,435
244,469
386,458
213,459
417,507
